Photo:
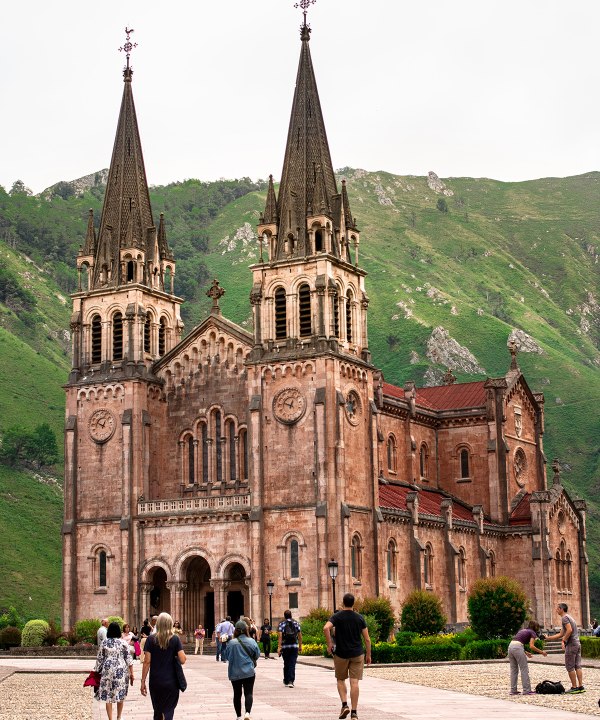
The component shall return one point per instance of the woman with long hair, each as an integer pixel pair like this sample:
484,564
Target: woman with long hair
113,662
520,648
160,652
242,656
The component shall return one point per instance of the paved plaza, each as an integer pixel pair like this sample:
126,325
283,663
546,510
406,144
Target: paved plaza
41,689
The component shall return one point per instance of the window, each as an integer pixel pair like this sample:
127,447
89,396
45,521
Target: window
462,568
428,565
294,559
191,461
280,314
162,333
130,271
96,340
117,336
219,446
465,473
243,454
492,561
569,572
319,246
335,314
356,557
102,569
391,453
349,299
391,561
423,461
305,313
232,453
204,435
293,601
147,327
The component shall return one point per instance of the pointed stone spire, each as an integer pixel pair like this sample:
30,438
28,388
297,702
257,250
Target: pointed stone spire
163,245
306,149
270,215
350,223
89,247
320,202
127,214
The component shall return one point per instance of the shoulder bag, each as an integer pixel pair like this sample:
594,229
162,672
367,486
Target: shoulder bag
248,653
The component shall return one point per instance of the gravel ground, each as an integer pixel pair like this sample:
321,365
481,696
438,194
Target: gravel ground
45,696
492,680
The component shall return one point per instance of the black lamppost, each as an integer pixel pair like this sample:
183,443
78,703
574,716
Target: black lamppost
270,586
332,566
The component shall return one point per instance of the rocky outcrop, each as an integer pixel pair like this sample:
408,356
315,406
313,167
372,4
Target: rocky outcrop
445,351
79,186
524,342
437,185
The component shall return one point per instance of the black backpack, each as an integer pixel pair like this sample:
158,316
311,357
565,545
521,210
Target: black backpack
289,635
547,687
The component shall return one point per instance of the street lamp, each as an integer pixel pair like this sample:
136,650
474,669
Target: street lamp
332,566
270,586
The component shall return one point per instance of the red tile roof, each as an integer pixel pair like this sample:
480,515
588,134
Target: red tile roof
459,396
394,496
521,515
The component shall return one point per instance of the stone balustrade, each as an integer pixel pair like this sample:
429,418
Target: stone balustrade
215,503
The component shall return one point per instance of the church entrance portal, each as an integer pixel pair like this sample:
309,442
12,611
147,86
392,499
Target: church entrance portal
198,597
236,591
159,597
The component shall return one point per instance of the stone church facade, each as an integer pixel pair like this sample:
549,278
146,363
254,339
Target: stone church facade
197,469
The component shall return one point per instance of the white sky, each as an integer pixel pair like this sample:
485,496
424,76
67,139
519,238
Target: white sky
507,89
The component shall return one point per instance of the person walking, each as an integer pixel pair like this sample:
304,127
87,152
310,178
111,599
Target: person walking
160,652
145,631
265,637
218,643
348,656
115,665
199,635
289,645
225,635
242,654
569,634
519,649
102,630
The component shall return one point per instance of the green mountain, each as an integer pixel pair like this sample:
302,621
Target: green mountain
476,257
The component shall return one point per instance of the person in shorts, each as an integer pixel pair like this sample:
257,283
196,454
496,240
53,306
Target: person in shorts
572,647
348,655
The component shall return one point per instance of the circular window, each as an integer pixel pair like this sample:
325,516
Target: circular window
561,521
520,467
352,407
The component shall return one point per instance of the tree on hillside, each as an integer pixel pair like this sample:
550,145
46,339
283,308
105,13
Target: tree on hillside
37,448
42,446
14,445
19,188
442,205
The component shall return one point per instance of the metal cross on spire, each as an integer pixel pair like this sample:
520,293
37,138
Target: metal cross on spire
128,46
304,4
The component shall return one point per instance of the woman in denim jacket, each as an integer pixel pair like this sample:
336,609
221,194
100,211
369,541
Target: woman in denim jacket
243,653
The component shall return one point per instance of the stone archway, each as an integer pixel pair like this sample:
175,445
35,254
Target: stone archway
237,591
159,595
198,596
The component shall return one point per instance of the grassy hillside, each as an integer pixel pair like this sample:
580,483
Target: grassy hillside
503,256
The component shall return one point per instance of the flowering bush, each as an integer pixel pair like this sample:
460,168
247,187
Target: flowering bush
497,607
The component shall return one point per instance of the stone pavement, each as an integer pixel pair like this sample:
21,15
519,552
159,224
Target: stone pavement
209,695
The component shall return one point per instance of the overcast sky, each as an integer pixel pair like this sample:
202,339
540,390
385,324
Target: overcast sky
507,89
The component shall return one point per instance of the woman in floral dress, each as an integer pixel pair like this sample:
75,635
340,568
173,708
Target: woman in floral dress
115,666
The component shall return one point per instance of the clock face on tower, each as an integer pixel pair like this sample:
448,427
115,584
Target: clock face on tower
289,405
102,425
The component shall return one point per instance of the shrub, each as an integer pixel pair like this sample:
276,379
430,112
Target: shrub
117,619
391,652
403,637
10,618
432,640
63,641
497,607
312,631
10,636
590,646
422,613
86,630
381,608
320,614
34,633
312,648
466,636
372,627
485,649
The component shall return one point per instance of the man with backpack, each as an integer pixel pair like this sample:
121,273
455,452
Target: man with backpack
289,645
572,647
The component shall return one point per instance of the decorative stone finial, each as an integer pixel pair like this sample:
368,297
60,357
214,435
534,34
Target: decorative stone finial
513,349
556,470
449,378
127,47
215,292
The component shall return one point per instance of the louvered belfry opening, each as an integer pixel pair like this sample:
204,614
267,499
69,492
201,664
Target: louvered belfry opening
280,314
117,336
162,331
147,333
335,314
349,316
96,340
305,313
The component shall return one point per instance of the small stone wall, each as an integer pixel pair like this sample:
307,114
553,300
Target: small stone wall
67,651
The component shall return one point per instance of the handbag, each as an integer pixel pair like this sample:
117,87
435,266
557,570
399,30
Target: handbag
180,675
224,637
92,680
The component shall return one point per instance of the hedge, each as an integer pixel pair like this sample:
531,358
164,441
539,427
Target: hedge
590,646
403,637
484,649
34,633
86,630
393,653
10,637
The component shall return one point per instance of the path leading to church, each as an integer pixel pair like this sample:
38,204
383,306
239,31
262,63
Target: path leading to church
315,696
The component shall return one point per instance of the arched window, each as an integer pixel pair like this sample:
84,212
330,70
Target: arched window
356,557
349,300
243,434
424,461
304,310
168,281
147,329
465,470
391,453
130,271
102,569
232,452
280,314
96,340
428,565
319,244
492,559
391,561
191,461
558,566
162,336
294,558
117,336
569,572
219,446
204,435
462,568
335,314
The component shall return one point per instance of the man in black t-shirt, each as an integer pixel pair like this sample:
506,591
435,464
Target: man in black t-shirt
348,656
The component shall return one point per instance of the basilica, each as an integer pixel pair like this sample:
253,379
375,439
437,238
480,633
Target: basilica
216,472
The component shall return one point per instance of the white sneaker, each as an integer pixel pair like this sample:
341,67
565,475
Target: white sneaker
247,716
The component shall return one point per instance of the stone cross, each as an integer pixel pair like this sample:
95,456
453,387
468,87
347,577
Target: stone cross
512,346
215,292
